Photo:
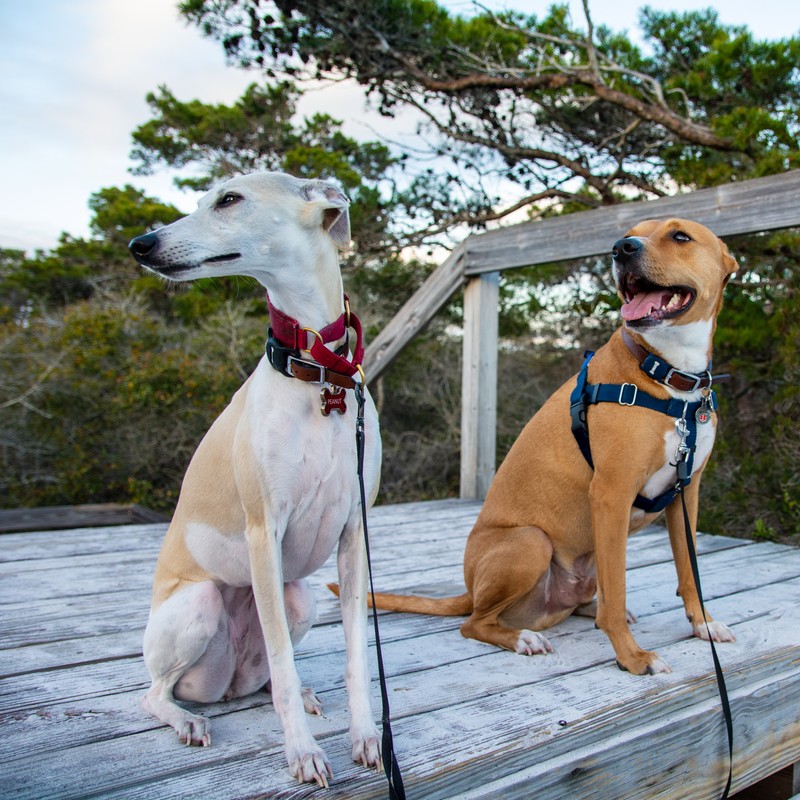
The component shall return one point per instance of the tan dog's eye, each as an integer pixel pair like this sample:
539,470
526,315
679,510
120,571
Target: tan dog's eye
680,236
228,199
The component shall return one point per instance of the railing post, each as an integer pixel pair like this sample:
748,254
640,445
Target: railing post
479,385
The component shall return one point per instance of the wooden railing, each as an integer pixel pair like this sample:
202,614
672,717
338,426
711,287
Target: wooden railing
750,206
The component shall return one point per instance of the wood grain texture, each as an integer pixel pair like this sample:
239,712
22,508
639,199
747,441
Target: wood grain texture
750,206
470,721
479,386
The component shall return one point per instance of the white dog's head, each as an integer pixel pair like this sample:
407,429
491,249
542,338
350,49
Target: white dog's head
263,224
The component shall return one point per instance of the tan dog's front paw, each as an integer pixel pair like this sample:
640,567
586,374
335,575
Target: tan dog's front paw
309,765
367,749
645,662
531,643
719,631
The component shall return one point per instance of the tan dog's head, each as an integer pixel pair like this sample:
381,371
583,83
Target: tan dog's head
670,272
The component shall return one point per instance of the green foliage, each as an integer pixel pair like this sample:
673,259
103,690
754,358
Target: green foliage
106,391
753,477
539,103
103,402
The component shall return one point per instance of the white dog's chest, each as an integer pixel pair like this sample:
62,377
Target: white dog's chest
308,463
305,468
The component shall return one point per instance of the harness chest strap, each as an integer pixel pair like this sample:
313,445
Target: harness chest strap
628,394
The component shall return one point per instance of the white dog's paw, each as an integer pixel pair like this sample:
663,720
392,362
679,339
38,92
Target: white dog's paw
367,748
719,631
311,703
531,643
309,765
194,730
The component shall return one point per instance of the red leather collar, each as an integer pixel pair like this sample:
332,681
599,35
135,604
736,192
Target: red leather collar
291,334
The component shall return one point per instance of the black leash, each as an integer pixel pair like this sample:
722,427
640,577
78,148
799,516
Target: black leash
390,766
723,690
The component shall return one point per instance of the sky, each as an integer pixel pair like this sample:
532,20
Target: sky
75,74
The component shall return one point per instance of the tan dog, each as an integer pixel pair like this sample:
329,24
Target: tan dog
552,531
272,488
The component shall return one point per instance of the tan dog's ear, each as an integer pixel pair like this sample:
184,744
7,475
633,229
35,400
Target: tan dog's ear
333,202
729,263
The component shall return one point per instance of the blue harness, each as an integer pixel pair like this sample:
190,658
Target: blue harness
687,415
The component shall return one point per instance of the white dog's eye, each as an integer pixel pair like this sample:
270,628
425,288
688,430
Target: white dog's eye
228,199
680,236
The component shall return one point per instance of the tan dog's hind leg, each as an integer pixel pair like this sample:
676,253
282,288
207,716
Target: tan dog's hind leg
505,569
687,591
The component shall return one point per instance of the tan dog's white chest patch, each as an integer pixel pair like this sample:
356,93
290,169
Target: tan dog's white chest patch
666,476
686,345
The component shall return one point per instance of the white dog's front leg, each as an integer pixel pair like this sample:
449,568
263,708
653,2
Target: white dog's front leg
353,580
307,761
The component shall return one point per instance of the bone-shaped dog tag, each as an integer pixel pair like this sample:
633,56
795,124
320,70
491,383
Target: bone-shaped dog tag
332,400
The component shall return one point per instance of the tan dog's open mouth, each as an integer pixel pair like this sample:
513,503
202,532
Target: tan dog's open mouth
647,303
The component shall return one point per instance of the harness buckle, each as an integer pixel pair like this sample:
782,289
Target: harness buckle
621,400
577,411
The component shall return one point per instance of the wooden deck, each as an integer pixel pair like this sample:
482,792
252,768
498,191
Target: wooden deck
470,721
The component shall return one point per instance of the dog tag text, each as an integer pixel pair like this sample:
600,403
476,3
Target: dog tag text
332,400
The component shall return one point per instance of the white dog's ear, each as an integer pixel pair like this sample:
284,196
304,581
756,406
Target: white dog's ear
333,202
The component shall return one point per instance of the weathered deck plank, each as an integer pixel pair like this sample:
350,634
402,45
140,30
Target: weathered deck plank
470,721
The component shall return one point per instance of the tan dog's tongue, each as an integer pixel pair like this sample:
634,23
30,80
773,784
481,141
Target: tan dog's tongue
642,304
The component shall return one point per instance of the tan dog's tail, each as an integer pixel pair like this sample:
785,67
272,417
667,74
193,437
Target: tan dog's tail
438,606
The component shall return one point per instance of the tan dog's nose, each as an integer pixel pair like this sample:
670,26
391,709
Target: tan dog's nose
625,249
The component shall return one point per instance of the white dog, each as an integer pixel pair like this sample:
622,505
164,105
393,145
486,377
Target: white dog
272,488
